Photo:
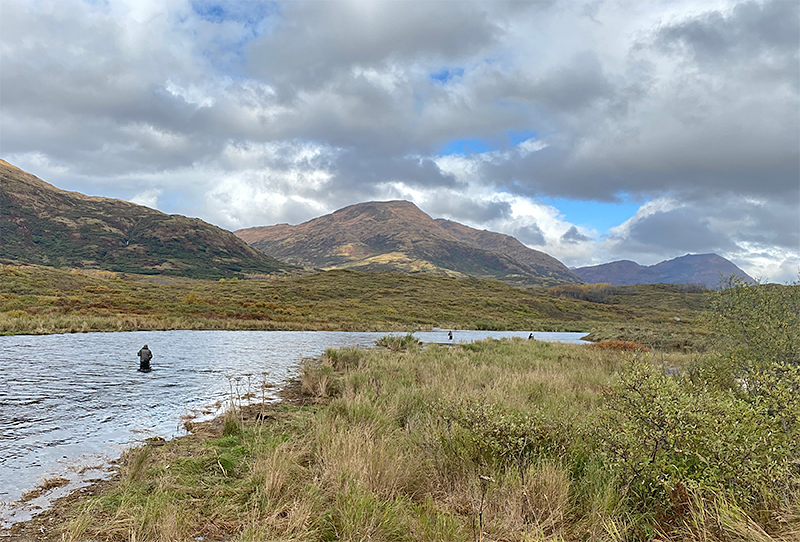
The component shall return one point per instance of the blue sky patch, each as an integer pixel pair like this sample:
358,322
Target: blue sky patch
518,136
227,52
446,74
249,13
598,215
477,145
464,147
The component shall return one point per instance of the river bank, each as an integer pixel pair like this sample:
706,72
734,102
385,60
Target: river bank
47,525
497,440
44,300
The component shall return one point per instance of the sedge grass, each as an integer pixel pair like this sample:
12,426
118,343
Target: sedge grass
419,445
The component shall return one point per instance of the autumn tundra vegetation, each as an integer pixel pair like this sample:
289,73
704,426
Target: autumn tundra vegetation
495,440
39,299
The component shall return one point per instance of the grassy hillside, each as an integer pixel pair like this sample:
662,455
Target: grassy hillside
397,236
37,299
41,224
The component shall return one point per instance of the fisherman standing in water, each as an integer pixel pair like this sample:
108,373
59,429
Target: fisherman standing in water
145,355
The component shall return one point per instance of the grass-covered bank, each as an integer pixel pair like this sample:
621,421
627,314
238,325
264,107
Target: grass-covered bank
39,300
498,440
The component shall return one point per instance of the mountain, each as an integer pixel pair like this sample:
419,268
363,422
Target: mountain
398,236
706,269
41,224
541,263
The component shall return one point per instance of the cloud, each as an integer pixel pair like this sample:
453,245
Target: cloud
678,229
315,43
530,234
573,236
477,210
250,113
148,198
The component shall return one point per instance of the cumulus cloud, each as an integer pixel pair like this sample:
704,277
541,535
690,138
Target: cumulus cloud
251,113
573,236
530,234
148,198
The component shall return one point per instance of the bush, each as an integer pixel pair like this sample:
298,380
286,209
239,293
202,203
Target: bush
594,293
731,426
757,325
666,432
504,439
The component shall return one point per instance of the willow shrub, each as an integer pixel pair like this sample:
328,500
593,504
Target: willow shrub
503,439
757,325
669,433
730,425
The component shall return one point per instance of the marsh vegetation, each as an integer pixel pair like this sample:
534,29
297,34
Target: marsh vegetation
40,300
498,440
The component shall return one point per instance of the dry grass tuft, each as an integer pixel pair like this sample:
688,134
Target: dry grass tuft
45,486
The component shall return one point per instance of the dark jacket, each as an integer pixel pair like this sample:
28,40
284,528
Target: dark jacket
145,355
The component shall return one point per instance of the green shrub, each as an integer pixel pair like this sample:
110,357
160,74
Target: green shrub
757,325
758,332
504,439
668,432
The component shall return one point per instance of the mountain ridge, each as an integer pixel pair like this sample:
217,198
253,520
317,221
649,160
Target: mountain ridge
398,236
707,269
42,224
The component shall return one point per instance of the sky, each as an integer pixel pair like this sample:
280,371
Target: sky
591,130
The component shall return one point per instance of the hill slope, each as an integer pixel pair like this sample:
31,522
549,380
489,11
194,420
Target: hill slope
398,236
41,224
706,269
539,262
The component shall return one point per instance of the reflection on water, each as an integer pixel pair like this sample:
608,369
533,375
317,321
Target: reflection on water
68,402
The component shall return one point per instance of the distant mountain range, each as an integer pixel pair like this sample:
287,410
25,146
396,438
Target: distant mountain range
706,269
398,236
43,225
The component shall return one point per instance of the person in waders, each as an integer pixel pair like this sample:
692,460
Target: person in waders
145,355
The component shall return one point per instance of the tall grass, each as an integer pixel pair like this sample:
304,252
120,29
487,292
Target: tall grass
498,440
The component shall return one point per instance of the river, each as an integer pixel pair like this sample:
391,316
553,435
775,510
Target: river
71,403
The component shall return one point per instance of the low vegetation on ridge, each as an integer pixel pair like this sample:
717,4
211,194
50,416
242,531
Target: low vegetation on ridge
37,300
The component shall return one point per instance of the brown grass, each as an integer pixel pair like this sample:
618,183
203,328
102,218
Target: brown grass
621,346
